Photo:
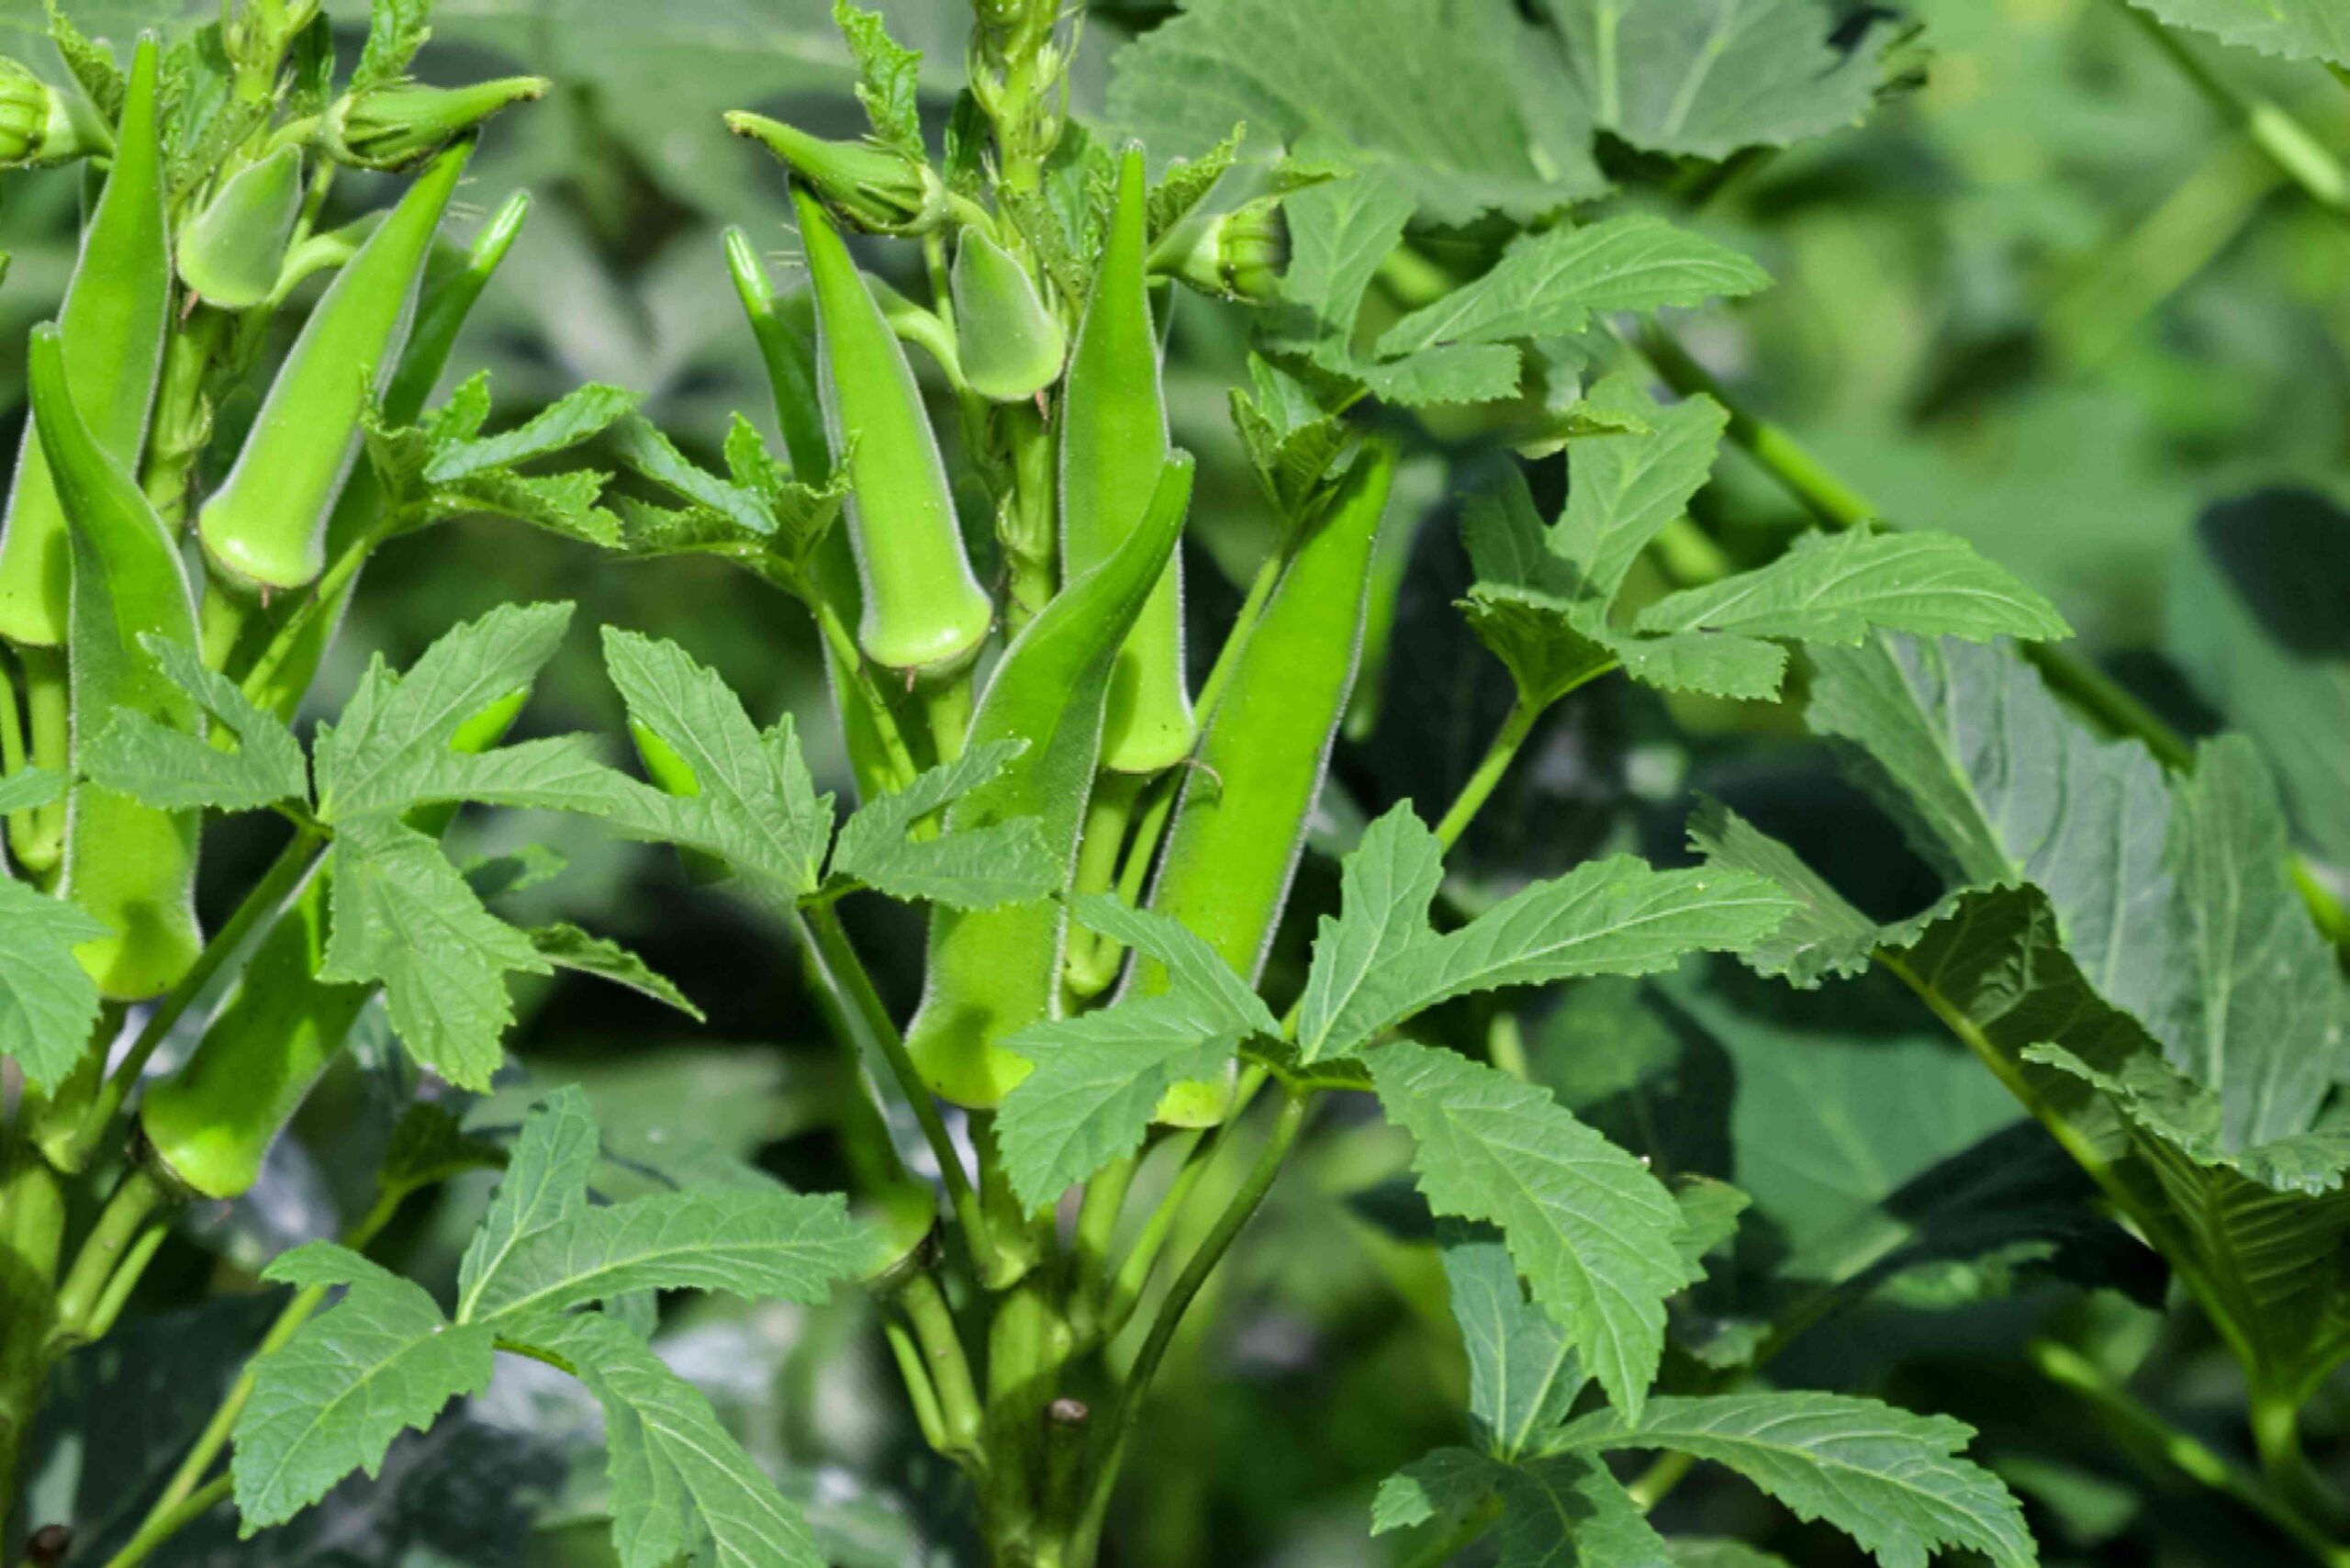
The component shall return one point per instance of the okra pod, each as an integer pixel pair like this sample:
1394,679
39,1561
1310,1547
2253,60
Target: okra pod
993,972
925,612
231,251
130,867
1114,438
1007,340
116,310
266,527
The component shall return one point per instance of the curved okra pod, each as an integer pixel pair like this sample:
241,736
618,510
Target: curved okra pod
925,612
130,867
993,972
266,525
1114,437
210,1123
1237,836
116,310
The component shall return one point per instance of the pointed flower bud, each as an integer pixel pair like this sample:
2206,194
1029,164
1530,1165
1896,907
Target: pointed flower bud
41,124
396,126
1239,255
879,189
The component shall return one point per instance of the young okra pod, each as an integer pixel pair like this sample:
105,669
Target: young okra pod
129,865
1113,438
116,310
1240,828
266,527
925,612
993,972
231,251
1009,342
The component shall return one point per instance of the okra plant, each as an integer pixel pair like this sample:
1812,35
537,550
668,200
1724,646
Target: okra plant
1109,953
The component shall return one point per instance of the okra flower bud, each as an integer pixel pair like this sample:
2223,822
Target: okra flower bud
1010,344
231,251
393,126
879,189
41,124
1239,255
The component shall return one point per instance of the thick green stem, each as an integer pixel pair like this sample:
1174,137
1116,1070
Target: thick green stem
113,1247
946,1367
2277,1437
1488,775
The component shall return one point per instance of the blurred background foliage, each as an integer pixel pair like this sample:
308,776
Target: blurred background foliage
2046,297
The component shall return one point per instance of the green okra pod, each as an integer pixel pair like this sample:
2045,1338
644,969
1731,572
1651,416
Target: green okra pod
231,251
266,527
1008,340
116,310
925,612
1241,825
211,1123
129,865
993,972
1114,437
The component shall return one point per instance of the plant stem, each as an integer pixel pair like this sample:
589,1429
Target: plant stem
2288,143
326,592
159,1530
948,1369
113,1245
1288,1123
284,874
2276,1436
1133,1270
2144,1428
848,660
849,973
1488,776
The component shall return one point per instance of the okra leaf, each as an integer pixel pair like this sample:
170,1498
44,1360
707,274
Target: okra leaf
1187,182
1895,1482
1292,429
567,946
1555,1509
1523,1372
1686,81
395,731
1552,284
404,916
682,1488
761,1245
1627,488
752,802
48,1003
29,787
760,516
562,504
1614,916
650,452
1836,587
544,1186
426,1147
2291,29
982,868
578,416
396,31
1097,1080
1195,971
1463,116
164,765
332,1398
91,63
888,77
1598,1236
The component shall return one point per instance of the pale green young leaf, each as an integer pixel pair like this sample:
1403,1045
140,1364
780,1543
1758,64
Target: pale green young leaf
683,1489
1836,587
1994,782
1097,1080
544,1186
2264,1015
770,1245
1617,916
28,787
650,452
396,31
1196,972
49,1005
579,416
1597,1235
332,1398
396,726
1895,1482
1523,1373
567,505
754,805
889,76
2291,29
404,917
1552,284
166,767
982,868
1707,80
1466,116
567,946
